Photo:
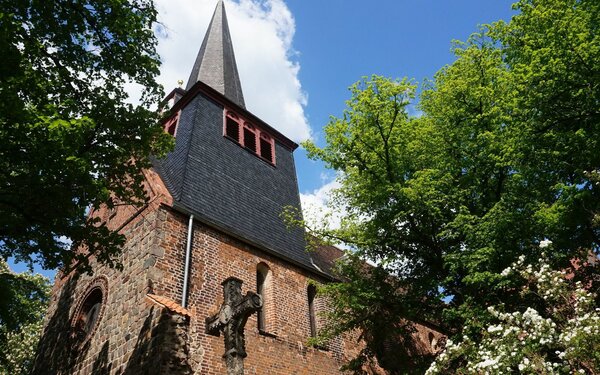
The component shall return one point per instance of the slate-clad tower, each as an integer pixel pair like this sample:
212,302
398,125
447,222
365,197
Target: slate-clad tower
229,168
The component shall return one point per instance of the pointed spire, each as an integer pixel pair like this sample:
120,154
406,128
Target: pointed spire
215,64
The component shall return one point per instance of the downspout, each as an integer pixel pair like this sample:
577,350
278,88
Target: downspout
188,256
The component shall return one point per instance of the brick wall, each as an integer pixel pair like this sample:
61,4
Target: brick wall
127,321
123,325
216,256
129,332
153,260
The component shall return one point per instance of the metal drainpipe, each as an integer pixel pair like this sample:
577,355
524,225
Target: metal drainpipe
188,255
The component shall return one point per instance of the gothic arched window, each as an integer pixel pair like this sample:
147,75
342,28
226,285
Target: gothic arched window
311,292
263,280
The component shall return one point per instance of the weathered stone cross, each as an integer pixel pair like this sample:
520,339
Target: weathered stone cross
231,319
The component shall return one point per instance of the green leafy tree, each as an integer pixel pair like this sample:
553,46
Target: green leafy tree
24,298
69,141
504,156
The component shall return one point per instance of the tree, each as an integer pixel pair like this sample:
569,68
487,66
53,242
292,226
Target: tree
69,141
24,297
503,157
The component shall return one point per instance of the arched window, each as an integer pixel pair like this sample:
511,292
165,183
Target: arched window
263,280
433,342
89,311
171,124
311,292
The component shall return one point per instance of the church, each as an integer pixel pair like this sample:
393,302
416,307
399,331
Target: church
213,281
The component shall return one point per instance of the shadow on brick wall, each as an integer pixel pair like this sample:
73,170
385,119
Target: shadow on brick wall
393,349
56,351
161,346
143,360
403,353
101,365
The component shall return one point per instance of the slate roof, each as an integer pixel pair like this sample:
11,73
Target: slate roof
215,64
324,255
230,188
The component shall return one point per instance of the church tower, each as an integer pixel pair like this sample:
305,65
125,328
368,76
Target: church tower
229,168
213,216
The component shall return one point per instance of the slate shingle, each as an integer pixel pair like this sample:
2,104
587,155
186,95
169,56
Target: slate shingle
231,188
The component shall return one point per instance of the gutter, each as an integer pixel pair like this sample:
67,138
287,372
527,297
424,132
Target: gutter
188,256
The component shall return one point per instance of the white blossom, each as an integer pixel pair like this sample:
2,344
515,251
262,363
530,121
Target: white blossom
569,329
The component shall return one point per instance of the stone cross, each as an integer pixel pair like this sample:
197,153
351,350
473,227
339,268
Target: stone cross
231,319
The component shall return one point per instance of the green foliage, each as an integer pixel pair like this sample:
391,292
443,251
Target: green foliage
69,142
372,302
24,298
503,156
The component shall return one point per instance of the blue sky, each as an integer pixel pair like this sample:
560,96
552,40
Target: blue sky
297,58
339,41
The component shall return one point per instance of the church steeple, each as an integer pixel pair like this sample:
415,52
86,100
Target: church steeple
215,64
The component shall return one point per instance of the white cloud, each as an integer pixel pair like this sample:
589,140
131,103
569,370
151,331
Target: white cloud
262,33
315,206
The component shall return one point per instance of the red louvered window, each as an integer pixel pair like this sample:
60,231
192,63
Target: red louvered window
170,125
266,148
232,127
249,137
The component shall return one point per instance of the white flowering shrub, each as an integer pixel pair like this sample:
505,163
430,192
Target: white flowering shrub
19,349
23,301
562,339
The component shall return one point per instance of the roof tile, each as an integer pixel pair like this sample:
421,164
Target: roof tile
169,304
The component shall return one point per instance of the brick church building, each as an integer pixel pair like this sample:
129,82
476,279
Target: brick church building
213,213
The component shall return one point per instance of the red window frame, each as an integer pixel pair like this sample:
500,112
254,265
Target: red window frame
270,142
251,133
246,129
170,126
233,117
